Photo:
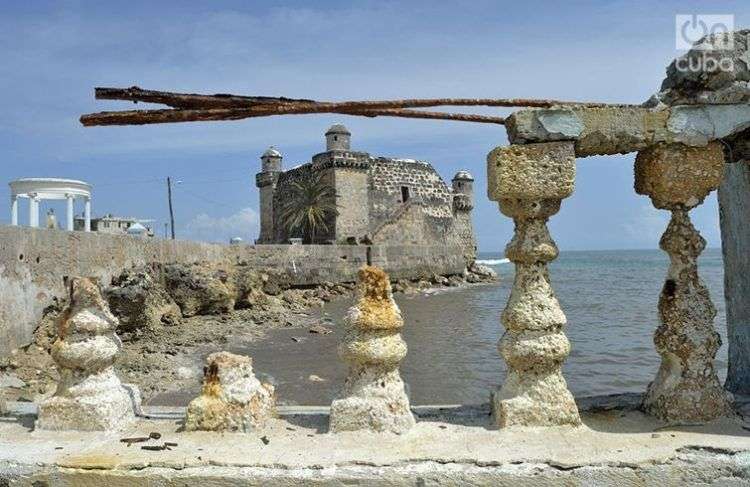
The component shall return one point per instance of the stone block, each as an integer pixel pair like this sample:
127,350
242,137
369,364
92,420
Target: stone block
232,399
531,172
676,174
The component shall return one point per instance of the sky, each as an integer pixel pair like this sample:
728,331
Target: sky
55,53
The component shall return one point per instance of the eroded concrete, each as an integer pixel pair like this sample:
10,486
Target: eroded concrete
620,130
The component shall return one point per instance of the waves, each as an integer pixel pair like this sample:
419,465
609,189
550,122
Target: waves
493,261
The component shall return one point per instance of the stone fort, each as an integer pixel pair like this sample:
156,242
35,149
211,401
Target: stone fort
380,199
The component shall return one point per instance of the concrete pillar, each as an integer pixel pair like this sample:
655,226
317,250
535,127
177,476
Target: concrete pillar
529,182
734,208
14,210
373,397
686,387
33,211
69,211
87,214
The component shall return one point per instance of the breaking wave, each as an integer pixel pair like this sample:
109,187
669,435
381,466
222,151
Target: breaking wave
493,261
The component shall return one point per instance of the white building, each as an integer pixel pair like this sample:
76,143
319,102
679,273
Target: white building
38,189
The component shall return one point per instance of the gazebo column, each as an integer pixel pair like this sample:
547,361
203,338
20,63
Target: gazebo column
69,211
33,210
14,210
529,182
87,214
686,387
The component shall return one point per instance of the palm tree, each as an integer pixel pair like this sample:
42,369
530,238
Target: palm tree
308,206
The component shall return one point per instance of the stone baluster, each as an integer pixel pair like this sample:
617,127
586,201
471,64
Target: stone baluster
529,182
373,397
686,387
89,396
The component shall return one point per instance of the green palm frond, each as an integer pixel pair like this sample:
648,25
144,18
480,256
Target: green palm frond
308,205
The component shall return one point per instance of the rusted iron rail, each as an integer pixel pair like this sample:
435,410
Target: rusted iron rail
143,117
190,107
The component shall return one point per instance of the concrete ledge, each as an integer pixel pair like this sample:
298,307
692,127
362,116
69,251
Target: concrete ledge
450,445
620,130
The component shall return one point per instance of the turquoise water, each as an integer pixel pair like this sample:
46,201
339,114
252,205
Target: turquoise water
609,297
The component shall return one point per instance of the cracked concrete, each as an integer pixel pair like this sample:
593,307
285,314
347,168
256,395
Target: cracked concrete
620,130
617,445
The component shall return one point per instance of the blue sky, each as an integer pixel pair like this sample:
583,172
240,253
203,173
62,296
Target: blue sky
55,53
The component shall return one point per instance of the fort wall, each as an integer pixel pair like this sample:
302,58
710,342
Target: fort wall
34,264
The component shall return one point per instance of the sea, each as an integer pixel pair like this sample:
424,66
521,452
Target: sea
609,297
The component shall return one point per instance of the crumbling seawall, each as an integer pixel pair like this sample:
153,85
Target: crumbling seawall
34,264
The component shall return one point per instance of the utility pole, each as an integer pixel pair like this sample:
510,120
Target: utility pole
171,212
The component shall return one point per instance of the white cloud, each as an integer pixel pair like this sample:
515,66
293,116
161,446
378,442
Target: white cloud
244,224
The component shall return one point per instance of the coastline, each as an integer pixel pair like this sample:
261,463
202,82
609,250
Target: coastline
167,355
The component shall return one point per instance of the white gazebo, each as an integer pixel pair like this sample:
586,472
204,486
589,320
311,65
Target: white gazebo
36,189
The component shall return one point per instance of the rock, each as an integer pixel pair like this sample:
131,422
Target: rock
320,329
271,285
233,399
186,373
455,281
440,280
373,397
483,271
472,278
141,302
89,396
199,289
315,378
11,380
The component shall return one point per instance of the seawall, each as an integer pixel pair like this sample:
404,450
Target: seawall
34,264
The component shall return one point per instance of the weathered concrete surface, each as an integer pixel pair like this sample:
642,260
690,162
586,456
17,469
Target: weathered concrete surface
614,447
675,175
620,130
529,181
686,388
34,262
232,399
734,206
373,397
89,396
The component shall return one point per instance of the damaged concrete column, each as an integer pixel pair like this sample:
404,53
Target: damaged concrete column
232,399
529,182
89,396
734,208
373,397
686,388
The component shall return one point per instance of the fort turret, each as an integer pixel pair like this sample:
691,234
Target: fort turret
266,181
463,190
338,137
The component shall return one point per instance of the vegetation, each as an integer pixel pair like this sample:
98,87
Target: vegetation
308,208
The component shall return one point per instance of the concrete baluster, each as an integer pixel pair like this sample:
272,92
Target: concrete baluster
686,387
529,182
